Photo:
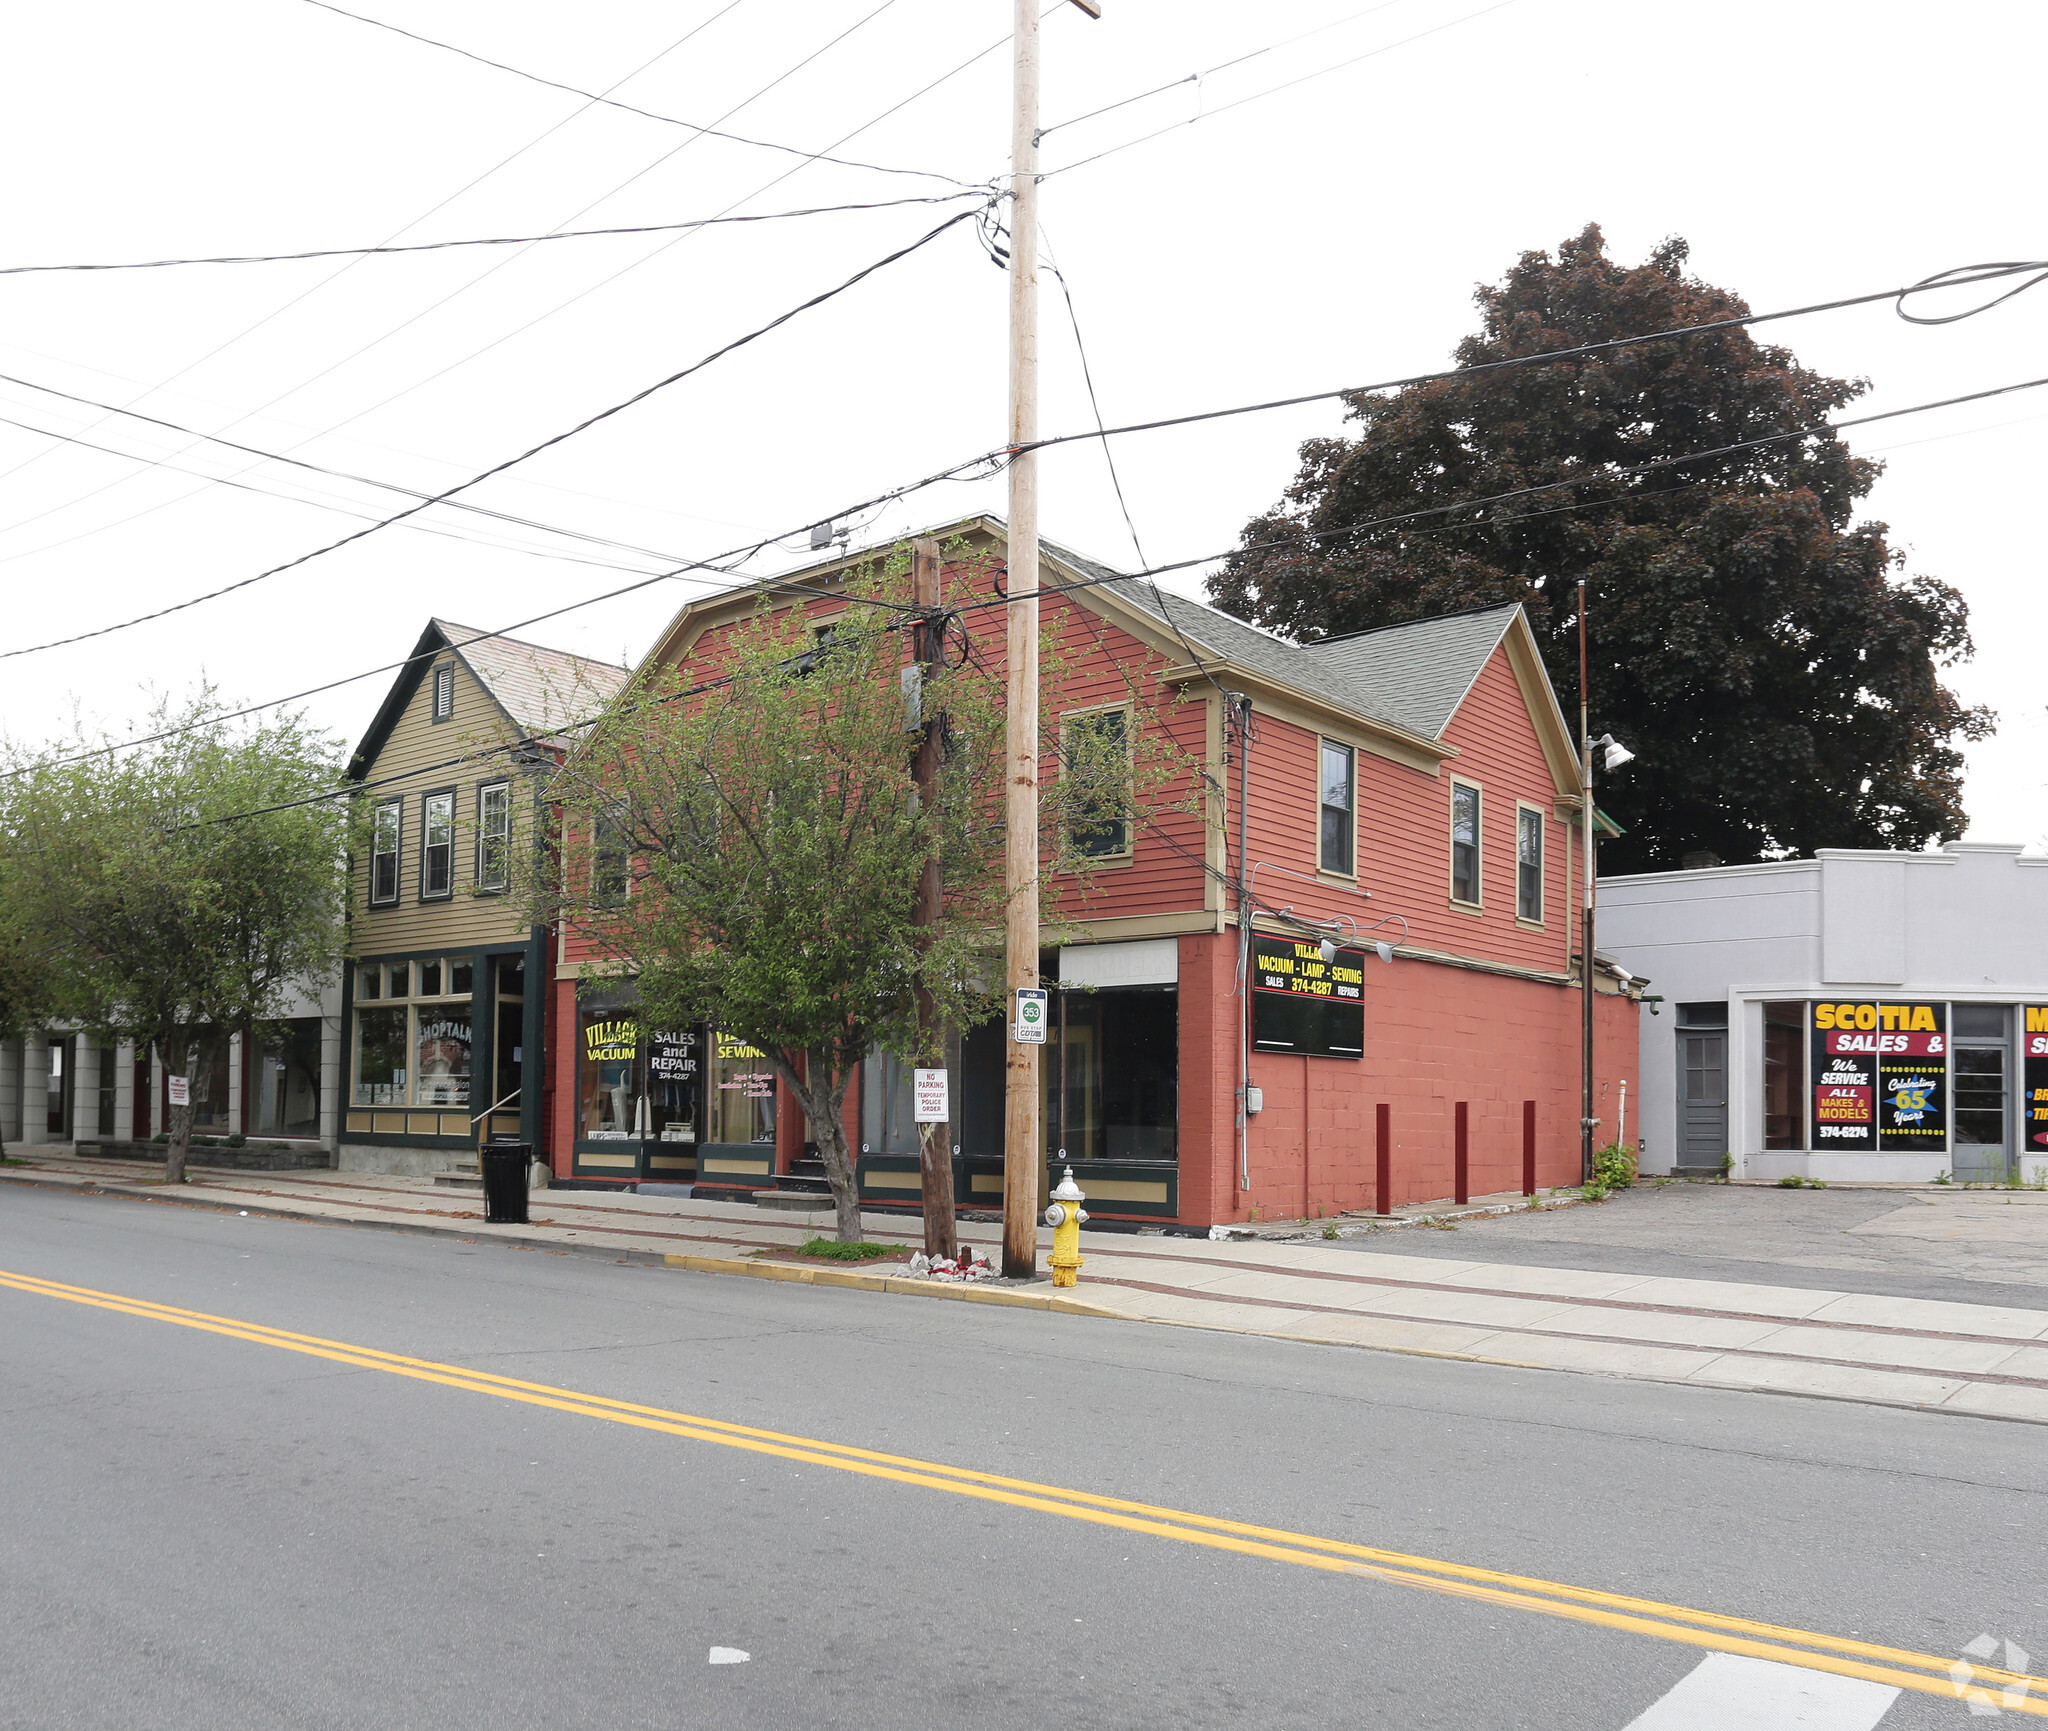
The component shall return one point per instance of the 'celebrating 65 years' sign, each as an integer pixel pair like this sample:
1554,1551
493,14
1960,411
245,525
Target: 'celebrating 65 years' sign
1880,1077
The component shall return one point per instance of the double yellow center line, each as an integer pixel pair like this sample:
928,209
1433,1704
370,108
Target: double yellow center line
1900,1668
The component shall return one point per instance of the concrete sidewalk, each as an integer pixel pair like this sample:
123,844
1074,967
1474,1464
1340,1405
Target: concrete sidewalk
1980,1359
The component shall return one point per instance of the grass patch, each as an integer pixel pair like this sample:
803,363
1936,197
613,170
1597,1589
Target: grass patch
833,1250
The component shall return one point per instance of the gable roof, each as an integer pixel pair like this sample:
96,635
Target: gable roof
541,692
1405,681
1413,676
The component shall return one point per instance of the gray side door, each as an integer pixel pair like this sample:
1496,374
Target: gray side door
1702,1096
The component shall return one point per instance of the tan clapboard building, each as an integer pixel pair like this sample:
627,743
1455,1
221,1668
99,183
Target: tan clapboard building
444,1007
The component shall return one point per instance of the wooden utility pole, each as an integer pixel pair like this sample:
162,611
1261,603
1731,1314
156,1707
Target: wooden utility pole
1587,1121
935,1141
1023,1135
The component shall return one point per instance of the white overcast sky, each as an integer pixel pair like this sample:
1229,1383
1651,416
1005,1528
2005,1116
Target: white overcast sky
1329,233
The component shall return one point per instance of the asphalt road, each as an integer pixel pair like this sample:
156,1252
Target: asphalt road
1899,1245
201,1530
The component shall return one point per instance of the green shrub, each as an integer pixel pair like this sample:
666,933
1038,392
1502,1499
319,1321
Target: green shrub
837,1252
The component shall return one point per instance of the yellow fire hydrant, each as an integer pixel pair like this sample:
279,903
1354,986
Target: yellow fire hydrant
1065,1217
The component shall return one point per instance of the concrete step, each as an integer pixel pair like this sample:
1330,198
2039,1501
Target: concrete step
792,1201
460,1180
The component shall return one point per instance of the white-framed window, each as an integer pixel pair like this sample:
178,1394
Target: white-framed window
1337,844
493,835
437,845
1465,848
385,828
1528,864
444,692
1095,748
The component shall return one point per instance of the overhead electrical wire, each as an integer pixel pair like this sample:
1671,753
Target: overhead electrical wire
495,240
335,275
609,101
546,444
1274,90
329,503
1962,276
1045,132
767,588
303,463
563,305
1592,476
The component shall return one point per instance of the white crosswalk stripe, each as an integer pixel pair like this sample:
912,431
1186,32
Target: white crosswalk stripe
1725,1691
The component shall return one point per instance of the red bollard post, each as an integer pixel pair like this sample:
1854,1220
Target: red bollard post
1461,1166
1528,1147
1383,1159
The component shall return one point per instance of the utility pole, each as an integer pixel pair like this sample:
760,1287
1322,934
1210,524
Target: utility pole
1587,1121
935,1141
1023,1134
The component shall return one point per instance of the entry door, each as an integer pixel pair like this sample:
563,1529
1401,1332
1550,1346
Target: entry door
58,1122
1983,1114
1702,1096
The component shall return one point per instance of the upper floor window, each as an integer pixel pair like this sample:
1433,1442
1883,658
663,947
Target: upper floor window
444,693
384,852
1528,863
493,835
1095,758
1465,843
437,845
610,864
1339,809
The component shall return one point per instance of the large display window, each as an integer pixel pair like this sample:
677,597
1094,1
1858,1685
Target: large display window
413,1040
1112,1091
635,1084
742,1092
284,1083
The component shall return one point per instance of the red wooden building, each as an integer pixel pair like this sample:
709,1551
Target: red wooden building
1413,787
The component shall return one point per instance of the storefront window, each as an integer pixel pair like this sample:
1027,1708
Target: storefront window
417,1053
1112,1092
1784,1075
887,1119
441,1042
380,1057
607,1055
742,1094
284,1090
675,1084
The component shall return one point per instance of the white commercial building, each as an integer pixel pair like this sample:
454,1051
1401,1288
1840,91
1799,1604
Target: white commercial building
1857,1015
281,1095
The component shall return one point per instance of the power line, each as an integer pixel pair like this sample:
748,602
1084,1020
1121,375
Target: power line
1274,90
1961,276
511,462
495,240
629,108
603,282
333,276
297,463
1604,474
501,545
1045,132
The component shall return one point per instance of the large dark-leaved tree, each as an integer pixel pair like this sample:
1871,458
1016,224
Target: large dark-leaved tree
1771,663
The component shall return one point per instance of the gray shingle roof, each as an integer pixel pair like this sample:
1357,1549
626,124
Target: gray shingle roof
1413,676
543,690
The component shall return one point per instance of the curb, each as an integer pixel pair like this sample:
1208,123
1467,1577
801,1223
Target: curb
806,1275
802,1274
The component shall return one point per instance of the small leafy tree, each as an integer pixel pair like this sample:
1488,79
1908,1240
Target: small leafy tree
174,892
750,848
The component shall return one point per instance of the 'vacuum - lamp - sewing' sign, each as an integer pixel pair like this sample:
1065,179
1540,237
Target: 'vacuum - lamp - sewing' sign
1301,1003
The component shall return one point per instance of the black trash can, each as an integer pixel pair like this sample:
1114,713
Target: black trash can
505,1171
